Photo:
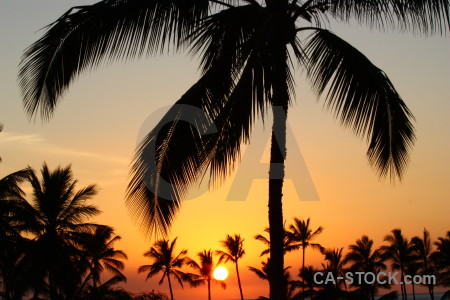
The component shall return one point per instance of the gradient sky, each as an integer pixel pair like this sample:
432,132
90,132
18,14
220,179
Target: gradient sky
96,127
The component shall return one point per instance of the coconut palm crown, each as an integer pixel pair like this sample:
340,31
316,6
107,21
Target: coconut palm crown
248,50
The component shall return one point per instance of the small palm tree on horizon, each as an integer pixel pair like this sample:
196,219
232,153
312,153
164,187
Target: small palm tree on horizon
441,257
264,274
423,247
301,235
99,253
287,243
400,252
205,271
165,261
364,258
234,246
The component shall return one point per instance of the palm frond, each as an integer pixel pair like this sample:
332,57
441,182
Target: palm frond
259,273
198,123
419,16
10,184
109,30
363,98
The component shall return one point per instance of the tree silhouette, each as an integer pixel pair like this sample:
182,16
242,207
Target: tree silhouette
364,258
248,50
441,258
422,247
264,274
105,291
287,243
400,252
205,271
99,253
165,261
301,234
56,219
335,264
12,203
234,251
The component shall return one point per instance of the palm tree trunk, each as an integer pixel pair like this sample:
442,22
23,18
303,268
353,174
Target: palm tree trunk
414,292
277,54
239,280
276,173
430,290
209,289
303,270
403,287
170,286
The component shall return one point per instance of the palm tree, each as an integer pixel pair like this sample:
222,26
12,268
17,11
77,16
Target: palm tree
248,50
164,260
335,264
422,247
365,259
11,202
105,291
441,257
98,250
400,252
205,271
301,235
150,296
234,251
56,219
308,281
264,274
287,243
11,224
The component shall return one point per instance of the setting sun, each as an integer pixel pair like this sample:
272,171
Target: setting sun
220,273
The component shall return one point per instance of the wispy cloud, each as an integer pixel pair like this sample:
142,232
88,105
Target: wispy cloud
38,143
29,139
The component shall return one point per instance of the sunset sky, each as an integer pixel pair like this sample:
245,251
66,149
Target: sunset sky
96,127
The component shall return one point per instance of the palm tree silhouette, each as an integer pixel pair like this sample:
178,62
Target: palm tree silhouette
264,274
422,247
441,257
98,250
364,258
56,218
12,203
400,252
248,50
334,264
165,261
308,283
301,234
234,251
105,291
287,243
205,271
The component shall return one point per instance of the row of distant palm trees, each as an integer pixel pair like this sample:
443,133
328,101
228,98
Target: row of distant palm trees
165,261
414,257
48,249
47,246
410,257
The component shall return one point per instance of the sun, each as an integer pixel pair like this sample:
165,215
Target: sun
220,273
